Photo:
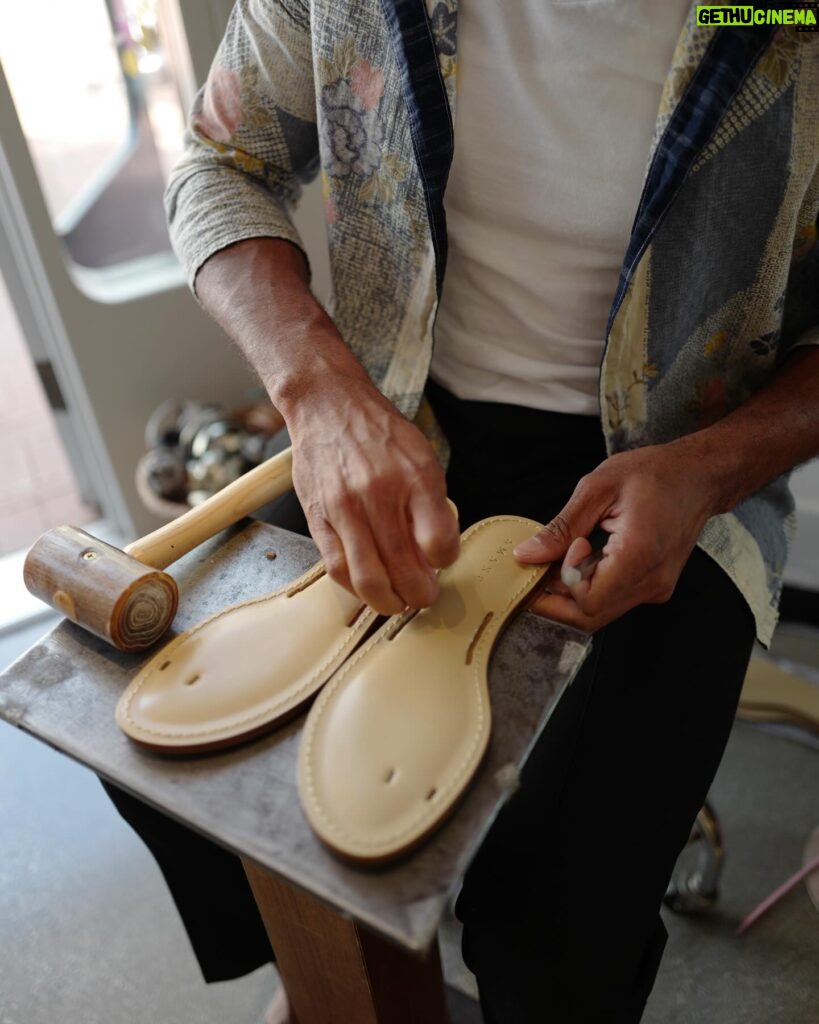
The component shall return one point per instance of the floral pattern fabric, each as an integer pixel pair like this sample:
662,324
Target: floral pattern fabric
352,132
723,288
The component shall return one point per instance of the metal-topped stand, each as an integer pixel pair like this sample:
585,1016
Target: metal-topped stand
354,945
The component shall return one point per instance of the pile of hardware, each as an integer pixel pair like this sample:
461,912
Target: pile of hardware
196,449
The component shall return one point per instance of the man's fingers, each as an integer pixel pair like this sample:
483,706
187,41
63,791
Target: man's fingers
366,571
409,572
564,609
577,519
573,568
547,544
434,527
382,522
373,553
369,577
332,552
587,597
552,583
607,591
615,586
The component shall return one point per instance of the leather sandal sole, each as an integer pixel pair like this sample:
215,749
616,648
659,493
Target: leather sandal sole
396,736
244,670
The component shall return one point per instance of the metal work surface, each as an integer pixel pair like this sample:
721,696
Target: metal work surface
64,691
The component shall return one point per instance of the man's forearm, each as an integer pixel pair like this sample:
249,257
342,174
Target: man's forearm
775,430
258,292
368,480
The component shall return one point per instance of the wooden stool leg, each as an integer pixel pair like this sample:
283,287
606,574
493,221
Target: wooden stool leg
336,972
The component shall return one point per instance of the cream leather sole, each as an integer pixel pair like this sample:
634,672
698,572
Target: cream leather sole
395,737
245,669
772,694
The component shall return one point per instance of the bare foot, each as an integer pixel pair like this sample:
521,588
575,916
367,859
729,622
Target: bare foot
279,1011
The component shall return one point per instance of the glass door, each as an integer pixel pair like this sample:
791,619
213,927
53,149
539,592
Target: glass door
92,101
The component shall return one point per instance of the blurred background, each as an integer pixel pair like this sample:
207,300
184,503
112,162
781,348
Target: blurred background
97,326
103,352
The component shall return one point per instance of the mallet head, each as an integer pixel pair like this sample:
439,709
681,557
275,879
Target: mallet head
102,589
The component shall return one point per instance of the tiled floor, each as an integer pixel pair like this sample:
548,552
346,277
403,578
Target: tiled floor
37,489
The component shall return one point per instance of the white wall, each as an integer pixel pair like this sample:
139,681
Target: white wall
120,347
803,565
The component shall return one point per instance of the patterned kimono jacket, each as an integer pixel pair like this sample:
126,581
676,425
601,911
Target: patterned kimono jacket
720,279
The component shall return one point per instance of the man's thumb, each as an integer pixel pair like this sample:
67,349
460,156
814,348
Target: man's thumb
548,544
552,542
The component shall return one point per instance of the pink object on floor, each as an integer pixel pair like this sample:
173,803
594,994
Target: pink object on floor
806,869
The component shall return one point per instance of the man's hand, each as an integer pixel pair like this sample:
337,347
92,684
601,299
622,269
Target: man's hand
374,496
653,503
368,480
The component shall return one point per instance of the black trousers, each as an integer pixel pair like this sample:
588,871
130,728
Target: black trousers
561,905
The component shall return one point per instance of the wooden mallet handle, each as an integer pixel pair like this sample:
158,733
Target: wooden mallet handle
122,596
239,499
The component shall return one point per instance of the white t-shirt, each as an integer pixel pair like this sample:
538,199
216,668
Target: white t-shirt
556,106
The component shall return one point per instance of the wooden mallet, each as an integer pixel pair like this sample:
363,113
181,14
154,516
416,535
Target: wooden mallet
123,596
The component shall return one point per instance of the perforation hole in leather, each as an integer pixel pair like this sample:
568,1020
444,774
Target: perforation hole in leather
193,679
431,793
356,615
389,775
470,653
164,665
